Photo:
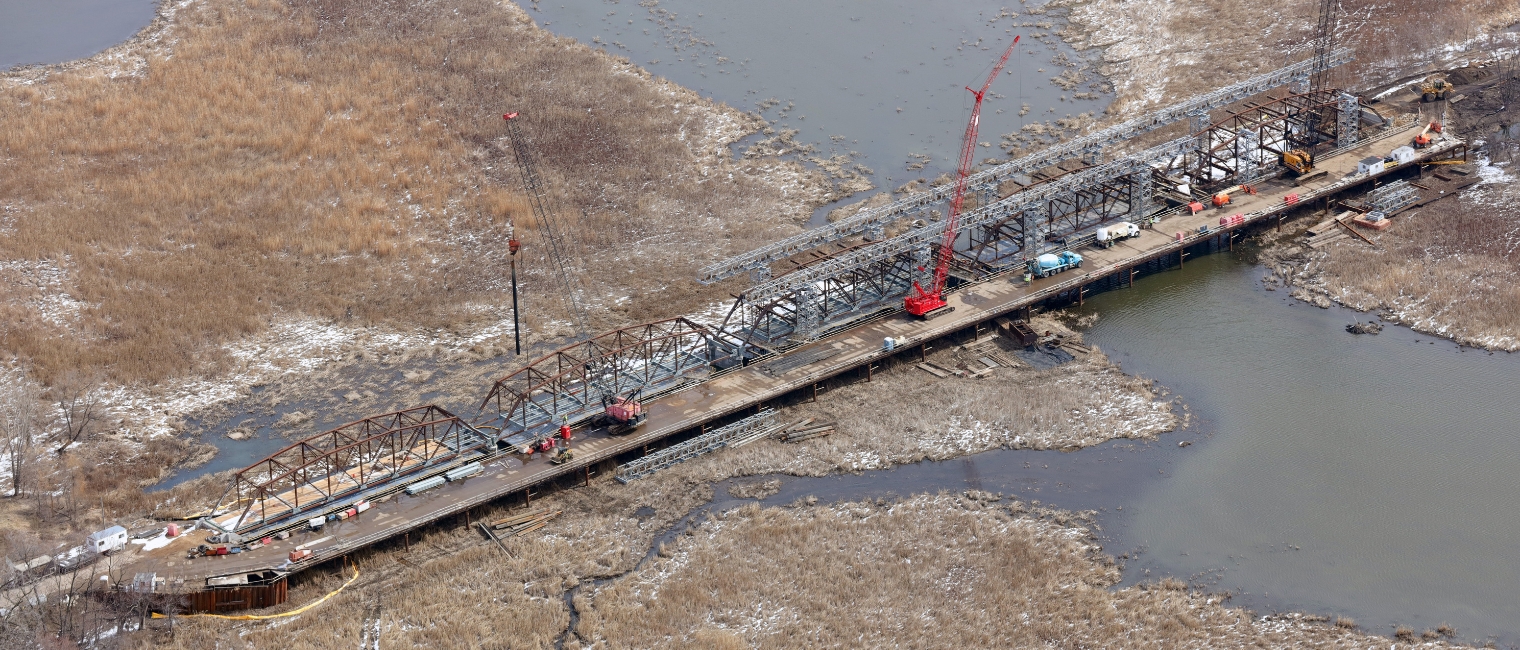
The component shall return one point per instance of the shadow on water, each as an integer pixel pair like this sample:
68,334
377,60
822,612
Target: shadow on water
316,414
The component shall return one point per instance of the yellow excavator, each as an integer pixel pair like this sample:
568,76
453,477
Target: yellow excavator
1299,161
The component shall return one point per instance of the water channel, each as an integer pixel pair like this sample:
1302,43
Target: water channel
881,79
1370,476
1366,476
54,31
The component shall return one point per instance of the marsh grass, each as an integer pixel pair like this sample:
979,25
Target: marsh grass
1161,52
933,571
344,160
1450,268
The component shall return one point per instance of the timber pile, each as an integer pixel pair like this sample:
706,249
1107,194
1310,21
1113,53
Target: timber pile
522,524
805,430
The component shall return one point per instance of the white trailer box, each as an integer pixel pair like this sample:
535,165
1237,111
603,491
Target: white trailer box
1373,165
109,540
1403,155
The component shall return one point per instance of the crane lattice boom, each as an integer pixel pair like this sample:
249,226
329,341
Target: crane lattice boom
559,250
924,301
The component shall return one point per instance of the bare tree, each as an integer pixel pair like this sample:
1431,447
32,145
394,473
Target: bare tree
20,429
79,409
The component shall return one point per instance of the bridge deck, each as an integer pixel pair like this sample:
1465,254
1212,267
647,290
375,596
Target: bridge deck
744,388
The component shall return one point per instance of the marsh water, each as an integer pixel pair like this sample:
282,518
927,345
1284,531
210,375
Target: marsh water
1369,476
54,31
883,80
1364,476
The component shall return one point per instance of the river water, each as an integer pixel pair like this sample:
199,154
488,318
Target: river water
1365,476
1373,475
1370,476
882,79
54,31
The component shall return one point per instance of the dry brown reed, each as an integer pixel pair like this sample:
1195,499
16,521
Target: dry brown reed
938,571
1451,268
1159,52
344,161
935,571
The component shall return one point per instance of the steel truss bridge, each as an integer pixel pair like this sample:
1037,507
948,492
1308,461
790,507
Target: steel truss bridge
1046,202
567,385
334,466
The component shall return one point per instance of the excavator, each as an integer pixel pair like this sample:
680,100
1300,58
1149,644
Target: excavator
621,414
1299,161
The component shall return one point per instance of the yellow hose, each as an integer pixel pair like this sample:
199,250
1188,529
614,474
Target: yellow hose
265,617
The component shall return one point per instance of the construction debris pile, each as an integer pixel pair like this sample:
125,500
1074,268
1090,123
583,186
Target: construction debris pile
522,524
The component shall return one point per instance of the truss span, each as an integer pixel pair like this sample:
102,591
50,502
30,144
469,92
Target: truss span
1249,142
984,183
568,384
335,465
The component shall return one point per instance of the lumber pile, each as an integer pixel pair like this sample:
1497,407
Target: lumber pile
522,524
804,430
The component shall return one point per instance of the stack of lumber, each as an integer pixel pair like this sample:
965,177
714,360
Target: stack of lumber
805,430
524,523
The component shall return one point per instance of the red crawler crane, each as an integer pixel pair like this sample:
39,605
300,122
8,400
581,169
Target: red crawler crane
930,302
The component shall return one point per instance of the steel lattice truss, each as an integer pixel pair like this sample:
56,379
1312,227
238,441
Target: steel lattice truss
1047,214
568,384
803,303
874,221
331,465
793,316
1250,141
1392,197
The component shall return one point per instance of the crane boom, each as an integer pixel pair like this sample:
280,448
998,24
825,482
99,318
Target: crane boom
926,302
559,250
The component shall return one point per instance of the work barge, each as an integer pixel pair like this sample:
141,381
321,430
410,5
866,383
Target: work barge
837,315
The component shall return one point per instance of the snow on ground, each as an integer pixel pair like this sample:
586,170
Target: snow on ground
158,542
290,347
45,284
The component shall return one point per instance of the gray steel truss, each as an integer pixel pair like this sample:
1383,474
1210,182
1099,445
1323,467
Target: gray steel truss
796,306
873,221
758,424
1392,197
568,384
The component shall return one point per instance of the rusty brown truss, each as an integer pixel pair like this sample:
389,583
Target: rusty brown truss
326,467
568,384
